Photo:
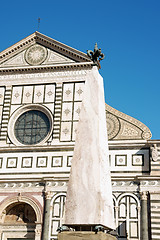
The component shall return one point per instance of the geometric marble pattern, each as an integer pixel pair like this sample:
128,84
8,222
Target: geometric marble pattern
121,160
69,161
27,94
57,161
27,162
12,162
41,161
33,94
38,94
137,160
71,106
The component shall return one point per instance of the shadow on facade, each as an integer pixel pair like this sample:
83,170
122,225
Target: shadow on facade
20,218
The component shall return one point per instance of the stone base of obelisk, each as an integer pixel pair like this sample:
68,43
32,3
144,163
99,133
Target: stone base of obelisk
85,236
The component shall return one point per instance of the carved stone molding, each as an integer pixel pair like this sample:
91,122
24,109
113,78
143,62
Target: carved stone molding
144,196
143,183
113,125
27,185
48,195
154,153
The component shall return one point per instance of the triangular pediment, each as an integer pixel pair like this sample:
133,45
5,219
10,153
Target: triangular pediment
38,49
120,126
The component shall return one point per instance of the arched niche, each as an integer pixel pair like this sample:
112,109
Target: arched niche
19,213
20,218
22,199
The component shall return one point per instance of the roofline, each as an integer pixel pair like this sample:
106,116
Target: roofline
40,38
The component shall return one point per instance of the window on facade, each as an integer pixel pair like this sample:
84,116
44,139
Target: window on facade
32,127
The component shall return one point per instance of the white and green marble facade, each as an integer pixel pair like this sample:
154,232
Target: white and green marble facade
37,175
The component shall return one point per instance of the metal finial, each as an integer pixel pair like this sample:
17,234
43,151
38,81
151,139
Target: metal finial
96,55
38,23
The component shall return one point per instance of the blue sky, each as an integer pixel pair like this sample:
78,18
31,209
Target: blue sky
128,31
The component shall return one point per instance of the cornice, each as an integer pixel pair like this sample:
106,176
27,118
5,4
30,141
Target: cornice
37,148
39,69
17,47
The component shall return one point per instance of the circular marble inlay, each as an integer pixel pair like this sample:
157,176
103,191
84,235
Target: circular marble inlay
137,160
113,125
121,160
146,135
36,54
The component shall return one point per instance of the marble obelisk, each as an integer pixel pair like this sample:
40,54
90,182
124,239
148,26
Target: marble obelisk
89,195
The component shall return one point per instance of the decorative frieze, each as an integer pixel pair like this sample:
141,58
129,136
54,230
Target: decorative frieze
68,75
31,185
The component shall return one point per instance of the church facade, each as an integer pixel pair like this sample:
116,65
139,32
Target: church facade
41,90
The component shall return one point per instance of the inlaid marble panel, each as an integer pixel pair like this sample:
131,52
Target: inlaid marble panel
12,162
27,162
79,88
2,90
68,92
74,130
17,95
77,110
66,131
27,94
121,160
39,94
57,161
41,161
133,230
67,111
71,106
138,160
49,93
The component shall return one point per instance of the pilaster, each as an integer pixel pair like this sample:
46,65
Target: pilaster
144,216
46,217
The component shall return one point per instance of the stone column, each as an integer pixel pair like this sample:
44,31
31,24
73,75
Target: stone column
46,217
38,231
144,216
